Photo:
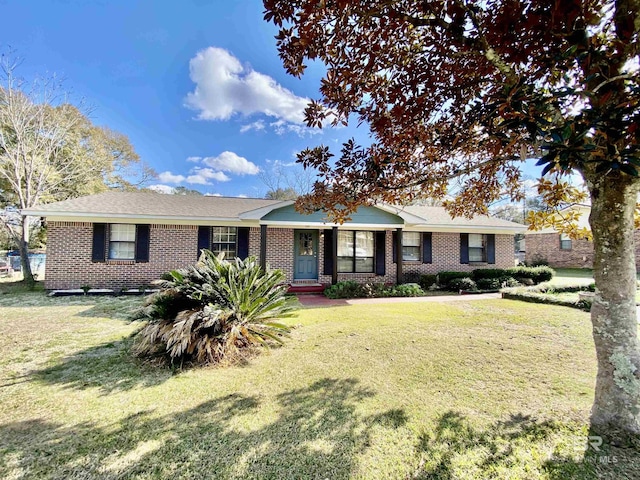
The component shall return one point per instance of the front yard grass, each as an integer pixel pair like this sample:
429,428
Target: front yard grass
572,276
473,389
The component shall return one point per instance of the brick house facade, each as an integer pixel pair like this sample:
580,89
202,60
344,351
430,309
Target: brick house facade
547,247
126,240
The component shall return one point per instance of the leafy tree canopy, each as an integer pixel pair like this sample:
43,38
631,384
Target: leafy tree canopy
464,88
288,193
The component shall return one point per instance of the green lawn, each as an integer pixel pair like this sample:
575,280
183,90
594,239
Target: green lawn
484,389
572,276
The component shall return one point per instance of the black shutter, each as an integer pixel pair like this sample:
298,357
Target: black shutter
99,248
142,243
394,247
380,253
491,248
464,248
243,242
328,252
426,248
204,239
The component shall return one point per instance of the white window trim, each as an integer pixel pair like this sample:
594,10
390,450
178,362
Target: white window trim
111,242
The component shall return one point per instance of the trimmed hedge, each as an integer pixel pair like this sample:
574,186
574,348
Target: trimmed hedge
426,281
458,284
496,283
445,277
545,294
489,273
351,289
534,297
536,274
492,278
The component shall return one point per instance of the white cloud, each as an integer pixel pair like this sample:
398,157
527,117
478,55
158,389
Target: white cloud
209,169
232,163
225,87
258,126
168,177
242,195
212,194
279,163
203,176
281,127
167,189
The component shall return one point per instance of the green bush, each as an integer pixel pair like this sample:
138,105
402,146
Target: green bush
427,281
214,311
489,283
546,295
497,283
536,274
351,289
373,290
509,282
346,289
464,283
488,273
546,288
406,290
445,277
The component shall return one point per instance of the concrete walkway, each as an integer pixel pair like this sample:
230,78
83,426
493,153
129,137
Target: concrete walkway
322,301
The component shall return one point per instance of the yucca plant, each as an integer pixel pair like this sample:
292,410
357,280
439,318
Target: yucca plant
214,311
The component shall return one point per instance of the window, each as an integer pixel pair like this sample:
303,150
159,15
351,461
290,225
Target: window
355,251
565,242
224,240
411,246
122,241
477,247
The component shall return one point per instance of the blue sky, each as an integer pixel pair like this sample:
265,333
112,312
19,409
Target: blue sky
197,86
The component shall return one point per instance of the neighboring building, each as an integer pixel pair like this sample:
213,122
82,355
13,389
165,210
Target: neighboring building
117,239
560,251
557,249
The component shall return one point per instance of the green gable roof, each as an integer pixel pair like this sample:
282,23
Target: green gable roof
364,215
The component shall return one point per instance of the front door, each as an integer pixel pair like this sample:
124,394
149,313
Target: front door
306,254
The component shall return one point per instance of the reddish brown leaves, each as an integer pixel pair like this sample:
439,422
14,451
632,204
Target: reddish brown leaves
460,89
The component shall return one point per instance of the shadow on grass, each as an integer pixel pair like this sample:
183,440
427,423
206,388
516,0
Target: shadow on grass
110,367
108,306
455,445
315,432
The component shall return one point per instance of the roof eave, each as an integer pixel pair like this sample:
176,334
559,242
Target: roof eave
258,213
409,218
81,215
468,228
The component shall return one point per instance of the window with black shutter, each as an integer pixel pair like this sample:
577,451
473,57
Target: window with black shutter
120,241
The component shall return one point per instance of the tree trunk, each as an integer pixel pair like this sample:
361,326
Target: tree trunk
23,247
616,406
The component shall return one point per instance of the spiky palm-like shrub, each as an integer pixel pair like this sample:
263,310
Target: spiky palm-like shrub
214,311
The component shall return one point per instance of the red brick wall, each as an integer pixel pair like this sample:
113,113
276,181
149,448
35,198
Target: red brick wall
445,250
546,246
388,277
280,250
69,262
